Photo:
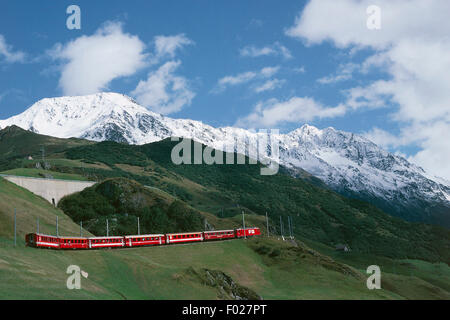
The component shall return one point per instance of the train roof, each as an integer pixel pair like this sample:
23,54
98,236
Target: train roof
173,234
111,237
247,228
67,237
45,235
59,237
219,231
145,235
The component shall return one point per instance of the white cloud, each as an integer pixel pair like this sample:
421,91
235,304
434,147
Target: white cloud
267,72
413,47
345,72
163,91
168,45
8,54
273,112
90,63
300,69
383,138
346,22
244,77
238,79
276,49
269,85
435,153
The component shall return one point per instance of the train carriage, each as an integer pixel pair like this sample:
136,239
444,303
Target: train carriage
247,232
38,240
218,234
184,237
145,240
106,242
73,243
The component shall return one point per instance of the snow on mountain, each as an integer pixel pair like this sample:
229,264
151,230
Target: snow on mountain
346,162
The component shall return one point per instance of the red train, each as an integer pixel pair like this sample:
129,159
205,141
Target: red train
39,240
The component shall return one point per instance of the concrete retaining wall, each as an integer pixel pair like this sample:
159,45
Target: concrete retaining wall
50,189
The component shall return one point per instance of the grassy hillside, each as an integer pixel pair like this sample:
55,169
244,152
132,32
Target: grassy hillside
308,268
270,268
29,208
41,173
16,143
317,213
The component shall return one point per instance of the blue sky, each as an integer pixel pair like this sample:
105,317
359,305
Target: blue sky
262,64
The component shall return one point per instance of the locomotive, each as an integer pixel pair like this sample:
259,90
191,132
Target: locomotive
39,240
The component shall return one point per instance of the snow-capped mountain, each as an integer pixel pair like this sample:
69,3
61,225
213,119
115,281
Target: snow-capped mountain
346,162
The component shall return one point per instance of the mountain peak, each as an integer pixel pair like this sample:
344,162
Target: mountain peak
306,130
346,162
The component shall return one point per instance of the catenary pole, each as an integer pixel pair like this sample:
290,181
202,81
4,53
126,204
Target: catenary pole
243,223
290,228
281,227
15,227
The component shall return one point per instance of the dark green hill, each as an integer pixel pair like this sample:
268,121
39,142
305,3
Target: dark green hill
18,143
121,201
317,213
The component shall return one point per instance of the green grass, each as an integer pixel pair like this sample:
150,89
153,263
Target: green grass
159,273
41,173
156,273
